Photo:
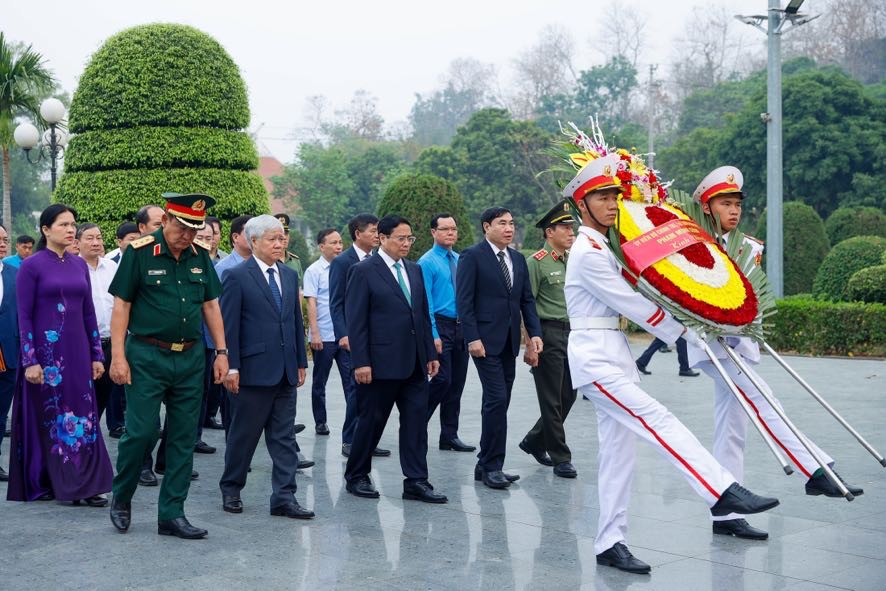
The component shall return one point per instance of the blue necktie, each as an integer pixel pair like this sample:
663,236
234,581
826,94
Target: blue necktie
275,291
452,270
403,284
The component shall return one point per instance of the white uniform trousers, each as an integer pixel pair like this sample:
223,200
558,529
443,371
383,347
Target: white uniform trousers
731,425
625,412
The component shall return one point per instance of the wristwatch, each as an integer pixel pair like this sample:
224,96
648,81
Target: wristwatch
221,352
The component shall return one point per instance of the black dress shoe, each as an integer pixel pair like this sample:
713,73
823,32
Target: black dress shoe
478,475
201,447
346,450
212,423
180,527
642,369
116,433
162,470
46,497
362,487
621,558
541,457
495,479
456,444
422,490
820,485
302,464
292,510
322,429
94,501
688,373
232,504
381,453
299,427
739,528
565,470
147,478
121,515
4,477
738,499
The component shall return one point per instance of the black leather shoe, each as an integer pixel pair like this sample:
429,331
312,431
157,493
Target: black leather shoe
820,485
346,450
94,501
362,487
180,527
232,504
292,510
147,478
194,475
381,453
456,444
565,470
46,497
212,423
4,477
162,470
739,528
299,427
121,515
688,373
621,558
422,491
541,457
478,475
738,499
116,433
322,429
201,447
302,464
642,369
495,479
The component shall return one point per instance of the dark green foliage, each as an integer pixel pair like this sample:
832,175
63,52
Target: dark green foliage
299,246
160,74
815,327
868,285
161,147
847,222
805,245
418,197
842,262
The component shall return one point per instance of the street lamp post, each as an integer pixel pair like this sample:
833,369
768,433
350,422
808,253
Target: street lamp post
54,140
775,19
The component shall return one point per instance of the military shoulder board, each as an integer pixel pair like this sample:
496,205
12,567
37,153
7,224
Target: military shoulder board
143,241
540,254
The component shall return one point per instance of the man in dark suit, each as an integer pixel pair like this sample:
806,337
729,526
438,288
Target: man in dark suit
493,294
392,353
364,234
265,333
8,337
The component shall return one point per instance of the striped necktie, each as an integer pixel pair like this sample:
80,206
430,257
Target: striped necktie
504,269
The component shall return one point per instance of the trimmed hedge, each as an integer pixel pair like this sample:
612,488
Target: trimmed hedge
805,245
868,285
418,197
847,222
161,147
160,74
842,262
809,326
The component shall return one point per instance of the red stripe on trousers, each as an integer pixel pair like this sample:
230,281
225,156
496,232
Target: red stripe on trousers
771,434
661,441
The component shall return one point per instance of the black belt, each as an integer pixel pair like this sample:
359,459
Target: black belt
177,347
564,324
441,318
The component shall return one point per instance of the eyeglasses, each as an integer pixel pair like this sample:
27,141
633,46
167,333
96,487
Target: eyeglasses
447,229
402,239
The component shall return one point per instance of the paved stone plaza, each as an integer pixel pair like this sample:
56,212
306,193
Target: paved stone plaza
537,535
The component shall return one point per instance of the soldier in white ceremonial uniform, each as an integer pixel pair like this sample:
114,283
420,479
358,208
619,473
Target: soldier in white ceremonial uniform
720,196
603,369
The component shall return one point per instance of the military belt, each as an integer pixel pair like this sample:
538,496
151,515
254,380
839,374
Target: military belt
177,347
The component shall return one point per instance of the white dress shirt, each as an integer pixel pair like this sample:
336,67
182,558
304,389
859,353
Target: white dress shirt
101,277
264,271
508,261
390,263
361,254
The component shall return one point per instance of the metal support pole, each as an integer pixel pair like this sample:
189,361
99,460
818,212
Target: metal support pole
784,417
774,188
651,132
824,403
53,153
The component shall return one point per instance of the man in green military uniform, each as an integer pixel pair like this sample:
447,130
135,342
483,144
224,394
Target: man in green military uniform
290,259
164,289
546,441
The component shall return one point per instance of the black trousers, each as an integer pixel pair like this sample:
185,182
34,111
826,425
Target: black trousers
446,387
497,378
682,355
374,404
109,397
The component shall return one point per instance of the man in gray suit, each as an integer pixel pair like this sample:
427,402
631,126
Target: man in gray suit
265,333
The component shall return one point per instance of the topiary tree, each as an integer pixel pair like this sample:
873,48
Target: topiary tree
418,197
805,245
159,108
868,285
842,262
847,222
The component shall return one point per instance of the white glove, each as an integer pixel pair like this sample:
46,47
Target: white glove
691,337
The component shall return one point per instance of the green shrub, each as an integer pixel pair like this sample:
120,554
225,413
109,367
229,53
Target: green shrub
847,222
159,108
299,246
868,285
805,245
845,259
418,197
815,327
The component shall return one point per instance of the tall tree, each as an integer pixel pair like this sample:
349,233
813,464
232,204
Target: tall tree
23,78
545,69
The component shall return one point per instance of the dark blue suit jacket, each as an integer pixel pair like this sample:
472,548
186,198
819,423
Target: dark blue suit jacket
9,339
486,310
383,330
263,343
338,282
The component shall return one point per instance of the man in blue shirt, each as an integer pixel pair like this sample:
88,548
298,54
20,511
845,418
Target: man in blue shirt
24,246
438,267
240,250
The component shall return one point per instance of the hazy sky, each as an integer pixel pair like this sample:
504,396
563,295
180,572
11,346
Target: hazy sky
288,51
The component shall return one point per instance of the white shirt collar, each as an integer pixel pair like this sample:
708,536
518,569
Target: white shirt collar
264,268
388,260
589,231
496,250
361,254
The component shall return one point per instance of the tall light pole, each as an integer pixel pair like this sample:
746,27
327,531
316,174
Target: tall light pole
775,19
27,136
651,87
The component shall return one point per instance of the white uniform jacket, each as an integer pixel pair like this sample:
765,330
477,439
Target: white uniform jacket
595,288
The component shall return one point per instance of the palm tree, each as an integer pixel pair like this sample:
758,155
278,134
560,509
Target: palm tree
23,78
